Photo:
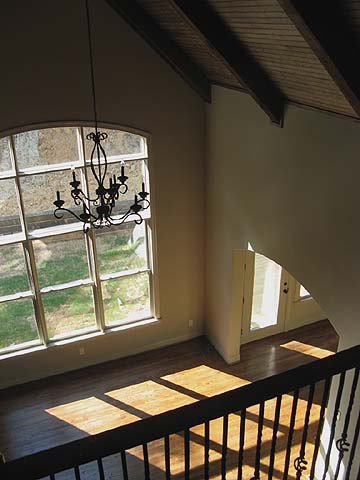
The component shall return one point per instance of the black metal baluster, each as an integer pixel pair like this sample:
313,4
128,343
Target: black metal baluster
52,477
206,451
77,473
101,469
333,423
146,462
241,443
274,436
342,444
167,457
124,465
224,446
324,404
258,443
300,462
353,448
187,453
291,433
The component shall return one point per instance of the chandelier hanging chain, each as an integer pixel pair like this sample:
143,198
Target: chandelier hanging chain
91,57
106,197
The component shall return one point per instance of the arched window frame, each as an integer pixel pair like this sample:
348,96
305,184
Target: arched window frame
96,279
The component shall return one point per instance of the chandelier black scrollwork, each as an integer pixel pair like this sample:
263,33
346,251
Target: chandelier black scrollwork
99,211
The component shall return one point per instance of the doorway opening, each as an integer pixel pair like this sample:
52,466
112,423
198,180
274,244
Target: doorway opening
273,300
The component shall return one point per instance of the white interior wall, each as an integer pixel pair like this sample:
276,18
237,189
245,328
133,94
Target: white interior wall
46,79
293,194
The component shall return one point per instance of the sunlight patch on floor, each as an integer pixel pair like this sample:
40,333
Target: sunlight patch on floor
92,415
205,380
306,349
150,397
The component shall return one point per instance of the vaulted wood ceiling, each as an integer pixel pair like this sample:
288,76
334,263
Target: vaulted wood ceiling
279,51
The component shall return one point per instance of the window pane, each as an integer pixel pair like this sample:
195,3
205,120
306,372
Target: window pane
117,143
126,299
121,248
9,210
265,292
304,292
5,162
13,274
17,322
39,193
61,259
70,310
46,147
133,170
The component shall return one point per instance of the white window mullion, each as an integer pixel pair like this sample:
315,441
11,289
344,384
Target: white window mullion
38,305
16,296
97,292
123,274
66,286
147,246
40,169
151,236
29,256
150,268
7,175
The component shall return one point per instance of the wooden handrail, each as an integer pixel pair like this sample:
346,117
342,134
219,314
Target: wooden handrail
97,446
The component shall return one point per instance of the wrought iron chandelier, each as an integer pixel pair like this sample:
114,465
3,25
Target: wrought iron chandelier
98,211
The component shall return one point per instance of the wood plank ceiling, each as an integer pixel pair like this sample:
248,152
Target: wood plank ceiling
284,56
177,26
277,45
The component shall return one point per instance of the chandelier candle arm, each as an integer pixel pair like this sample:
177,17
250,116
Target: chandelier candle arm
106,198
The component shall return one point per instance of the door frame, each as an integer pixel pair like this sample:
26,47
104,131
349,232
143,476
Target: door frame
301,310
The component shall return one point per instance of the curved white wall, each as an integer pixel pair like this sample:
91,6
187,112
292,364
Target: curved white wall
46,78
294,194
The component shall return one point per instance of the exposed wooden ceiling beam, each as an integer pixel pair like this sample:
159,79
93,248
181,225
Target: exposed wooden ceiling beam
228,48
141,21
321,25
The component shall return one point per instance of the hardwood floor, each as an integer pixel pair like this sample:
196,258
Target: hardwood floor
59,409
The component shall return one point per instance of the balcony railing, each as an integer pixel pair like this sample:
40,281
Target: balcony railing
316,442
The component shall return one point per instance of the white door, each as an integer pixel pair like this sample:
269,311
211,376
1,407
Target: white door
273,301
301,309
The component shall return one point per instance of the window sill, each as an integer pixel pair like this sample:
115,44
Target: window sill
79,337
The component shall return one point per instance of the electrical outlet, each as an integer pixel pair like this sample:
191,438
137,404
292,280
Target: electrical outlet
191,323
82,351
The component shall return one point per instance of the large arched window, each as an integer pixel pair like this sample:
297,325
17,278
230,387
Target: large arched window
55,281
